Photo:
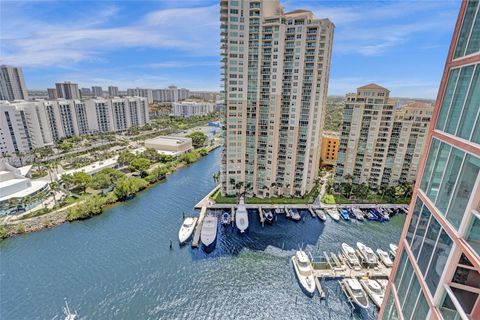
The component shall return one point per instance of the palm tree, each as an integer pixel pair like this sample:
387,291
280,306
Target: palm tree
20,156
54,187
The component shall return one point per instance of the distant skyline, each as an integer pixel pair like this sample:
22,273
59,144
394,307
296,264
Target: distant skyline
401,45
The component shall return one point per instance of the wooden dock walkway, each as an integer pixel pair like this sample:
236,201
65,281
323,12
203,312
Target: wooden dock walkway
319,288
261,216
198,227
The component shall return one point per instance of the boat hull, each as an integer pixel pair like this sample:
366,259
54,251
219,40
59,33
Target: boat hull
309,290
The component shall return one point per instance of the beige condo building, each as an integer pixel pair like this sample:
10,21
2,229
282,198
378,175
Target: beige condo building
381,144
275,76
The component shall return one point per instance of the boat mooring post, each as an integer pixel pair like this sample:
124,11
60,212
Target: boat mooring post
171,244
183,215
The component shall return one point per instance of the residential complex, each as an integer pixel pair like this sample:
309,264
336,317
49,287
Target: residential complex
205,95
138,92
170,94
276,70
381,144
12,84
67,90
97,91
27,125
191,108
329,151
112,91
52,93
436,272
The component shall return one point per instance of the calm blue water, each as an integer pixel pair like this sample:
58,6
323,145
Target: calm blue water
119,265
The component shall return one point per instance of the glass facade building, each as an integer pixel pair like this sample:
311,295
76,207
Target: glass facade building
437,270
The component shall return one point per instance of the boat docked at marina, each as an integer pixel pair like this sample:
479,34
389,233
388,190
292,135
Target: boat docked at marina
268,215
351,256
344,214
304,272
333,214
295,215
241,217
321,214
358,214
368,214
226,218
383,283
374,291
355,293
393,250
367,254
385,258
208,235
186,230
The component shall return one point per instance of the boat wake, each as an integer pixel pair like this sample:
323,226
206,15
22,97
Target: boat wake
278,252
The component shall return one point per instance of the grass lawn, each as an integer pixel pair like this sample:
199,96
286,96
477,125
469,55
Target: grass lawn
340,199
218,198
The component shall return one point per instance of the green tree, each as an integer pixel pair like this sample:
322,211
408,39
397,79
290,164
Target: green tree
151,154
140,165
128,187
198,138
81,180
126,157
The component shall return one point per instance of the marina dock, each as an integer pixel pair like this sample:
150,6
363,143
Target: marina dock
198,227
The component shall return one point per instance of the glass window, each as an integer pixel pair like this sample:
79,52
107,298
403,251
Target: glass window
449,179
476,132
471,107
474,42
411,298
432,154
467,277
463,190
440,256
414,220
390,312
473,235
459,98
465,298
401,266
447,99
406,279
465,30
448,309
438,170
420,231
422,308
429,244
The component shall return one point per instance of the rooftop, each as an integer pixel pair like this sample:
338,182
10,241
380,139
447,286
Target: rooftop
168,140
373,86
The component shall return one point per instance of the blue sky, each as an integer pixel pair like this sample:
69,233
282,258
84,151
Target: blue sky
401,45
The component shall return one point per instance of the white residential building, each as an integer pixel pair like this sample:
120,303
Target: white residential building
138,92
276,68
170,94
97,91
192,108
67,90
112,91
12,84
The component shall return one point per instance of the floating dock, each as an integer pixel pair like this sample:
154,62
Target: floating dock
198,227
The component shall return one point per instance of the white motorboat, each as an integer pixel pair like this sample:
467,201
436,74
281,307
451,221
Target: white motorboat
268,215
321,214
225,218
304,271
333,214
209,232
393,250
351,256
295,215
374,291
241,217
69,315
358,214
186,229
367,254
385,258
353,290
383,283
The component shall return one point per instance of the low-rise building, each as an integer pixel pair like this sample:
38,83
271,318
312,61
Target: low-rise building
329,151
170,145
191,108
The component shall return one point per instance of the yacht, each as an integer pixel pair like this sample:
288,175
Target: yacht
383,283
333,214
355,293
368,214
68,314
367,253
241,217
226,218
351,256
186,229
304,271
358,214
393,250
267,213
321,214
209,232
374,291
344,214
383,255
295,215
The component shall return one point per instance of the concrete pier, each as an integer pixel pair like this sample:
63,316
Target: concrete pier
198,227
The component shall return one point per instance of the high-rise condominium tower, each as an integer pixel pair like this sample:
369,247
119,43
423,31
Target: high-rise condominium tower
113,91
276,67
380,143
12,84
67,90
436,271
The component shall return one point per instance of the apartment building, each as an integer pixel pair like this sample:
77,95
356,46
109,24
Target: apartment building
191,108
381,144
275,77
52,93
436,272
170,94
138,92
26,125
112,91
330,144
97,91
67,90
205,95
12,84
